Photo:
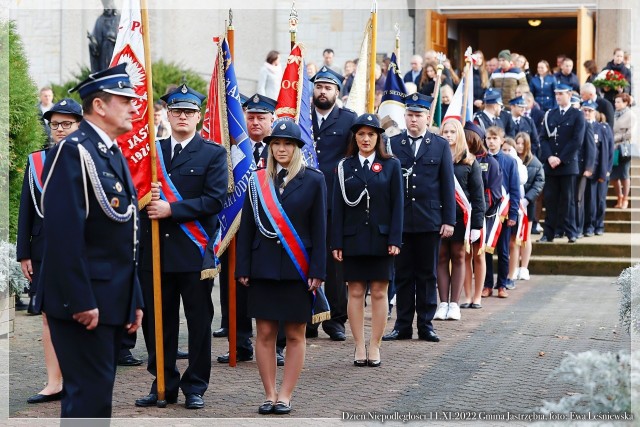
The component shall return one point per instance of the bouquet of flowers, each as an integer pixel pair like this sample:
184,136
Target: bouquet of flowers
610,79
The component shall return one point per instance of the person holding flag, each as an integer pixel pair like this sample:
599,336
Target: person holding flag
281,257
186,202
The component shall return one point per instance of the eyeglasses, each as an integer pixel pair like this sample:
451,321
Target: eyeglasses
178,112
65,125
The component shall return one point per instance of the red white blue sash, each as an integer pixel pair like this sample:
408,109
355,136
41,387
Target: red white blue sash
36,165
523,224
281,223
494,223
463,202
193,229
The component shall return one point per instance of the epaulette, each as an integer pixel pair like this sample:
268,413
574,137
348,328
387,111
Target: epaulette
349,110
311,168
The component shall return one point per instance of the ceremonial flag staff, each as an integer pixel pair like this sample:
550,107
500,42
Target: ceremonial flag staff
468,84
397,49
293,24
436,92
371,95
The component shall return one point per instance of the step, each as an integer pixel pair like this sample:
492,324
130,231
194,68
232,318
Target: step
635,180
613,214
579,266
622,226
609,245
633,190
634,201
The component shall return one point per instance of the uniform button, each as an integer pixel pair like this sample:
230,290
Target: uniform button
277,242
166,235
414,174
414,186
413,199
65,305
318,151
318,139
191,170
414,163
169,174
366,223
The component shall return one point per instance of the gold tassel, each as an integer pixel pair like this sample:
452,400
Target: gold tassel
210,273
146,199
320,317
489,250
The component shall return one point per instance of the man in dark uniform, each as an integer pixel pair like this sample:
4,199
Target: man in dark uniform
524,124
560,140
196,174
88,285
259,111
331,131
429,214
586,166
588,92
493,115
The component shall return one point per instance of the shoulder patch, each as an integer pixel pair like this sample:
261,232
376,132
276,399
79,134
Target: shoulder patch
349,110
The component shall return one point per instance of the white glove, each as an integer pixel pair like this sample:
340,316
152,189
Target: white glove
525,203
474,235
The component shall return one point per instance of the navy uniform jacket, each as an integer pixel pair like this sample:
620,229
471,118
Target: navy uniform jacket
88,262
510,181
565,144
492,182
504,121
356,230
30,237
606,108
525,124
571,80
429,191
603,138
200,174
332,139
304,201
263,155
587,153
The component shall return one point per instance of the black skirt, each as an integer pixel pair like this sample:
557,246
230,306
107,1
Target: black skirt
286,301
363,268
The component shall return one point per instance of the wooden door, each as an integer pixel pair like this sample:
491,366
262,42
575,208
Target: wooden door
436,31
585,48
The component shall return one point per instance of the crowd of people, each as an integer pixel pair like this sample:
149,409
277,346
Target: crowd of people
410,215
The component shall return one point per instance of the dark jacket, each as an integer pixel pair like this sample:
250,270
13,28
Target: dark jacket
407,77
30,236
535,180
606,108
525,124
565,144
504,121
304,201
361,231
588,151
543,91
510,181
571,80
622,69
470,179
491,181
603,138
478,90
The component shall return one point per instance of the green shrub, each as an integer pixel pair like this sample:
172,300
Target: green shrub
167,73
61,91
25,129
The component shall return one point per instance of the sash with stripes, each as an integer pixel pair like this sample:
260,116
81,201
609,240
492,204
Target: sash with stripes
523,225
494,223
193,229
463,202
36,165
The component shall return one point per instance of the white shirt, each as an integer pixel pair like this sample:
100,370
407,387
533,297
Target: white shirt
103,135
370,158
320,118
278,169
183,143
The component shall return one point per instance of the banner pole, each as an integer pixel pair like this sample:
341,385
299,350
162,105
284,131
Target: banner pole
371,93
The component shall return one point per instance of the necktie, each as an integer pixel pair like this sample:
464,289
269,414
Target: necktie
494,122
114,149
320,122
256,152
413,143
176,150
561,113
365,165
279,182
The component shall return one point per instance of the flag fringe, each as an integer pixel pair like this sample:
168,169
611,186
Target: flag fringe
230,234
224,122
320,317
210,273
144,201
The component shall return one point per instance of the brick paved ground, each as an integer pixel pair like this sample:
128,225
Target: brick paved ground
489,361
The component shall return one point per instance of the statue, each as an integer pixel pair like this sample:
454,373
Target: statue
103,39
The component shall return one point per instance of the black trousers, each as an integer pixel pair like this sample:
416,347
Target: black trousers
415,280
601,204
590,207
559,199
244,328
198,309
336,291
581,201
88,361
502,251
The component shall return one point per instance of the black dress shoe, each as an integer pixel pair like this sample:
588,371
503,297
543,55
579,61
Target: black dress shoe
338,336
182,354
240,357
31,307
129,360
279,357
41,398
396,335
193,401
572,239
220,333
281,408
374,363
429,336
545,239
358,362
266,407
152,399
465,305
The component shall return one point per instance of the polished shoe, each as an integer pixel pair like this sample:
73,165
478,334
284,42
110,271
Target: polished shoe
524,274
359,362
311,333
193,401
266,407
588,234
502,293
545,239
282,408
181,354
240,357
279,357
31,307
454,312
129,360
474,305
558,236
509,284
441,312
396,335
152,399
465,305
572,239
486,292
599,232
428,336
220,333
338,336
374,363
41,398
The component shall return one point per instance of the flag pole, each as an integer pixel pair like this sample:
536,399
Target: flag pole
155,226
293,24
397,47
231,250
436,91
468,82
371,95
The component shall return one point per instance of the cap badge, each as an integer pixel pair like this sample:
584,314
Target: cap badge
324,69
120,84
184,89
369,118
63,103
283,126
102,147
256,99
415,97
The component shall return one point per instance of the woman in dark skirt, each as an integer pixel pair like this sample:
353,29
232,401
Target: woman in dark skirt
366,234
281,257
469,204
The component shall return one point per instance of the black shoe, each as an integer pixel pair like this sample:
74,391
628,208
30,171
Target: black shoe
193,401
31,308
266,407
545,239
282,408
220,333
311,333
279,357
465,305
240,357
588,234
572,239
41,398
428,336
558,236
359,362
374,363
599,232
396,335
152,399
129,360
338,336
181,354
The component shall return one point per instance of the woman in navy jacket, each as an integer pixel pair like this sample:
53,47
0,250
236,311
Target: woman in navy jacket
277,292
542,86
366,234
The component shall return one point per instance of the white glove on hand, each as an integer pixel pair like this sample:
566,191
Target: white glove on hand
474,235
525,203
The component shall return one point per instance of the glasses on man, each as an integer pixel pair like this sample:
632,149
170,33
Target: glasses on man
176,112
65,125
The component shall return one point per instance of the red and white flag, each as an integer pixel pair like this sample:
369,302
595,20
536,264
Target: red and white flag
134,144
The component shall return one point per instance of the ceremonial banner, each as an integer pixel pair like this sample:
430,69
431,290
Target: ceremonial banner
294,101
211,128
455,107
392,103
134,144
358,96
